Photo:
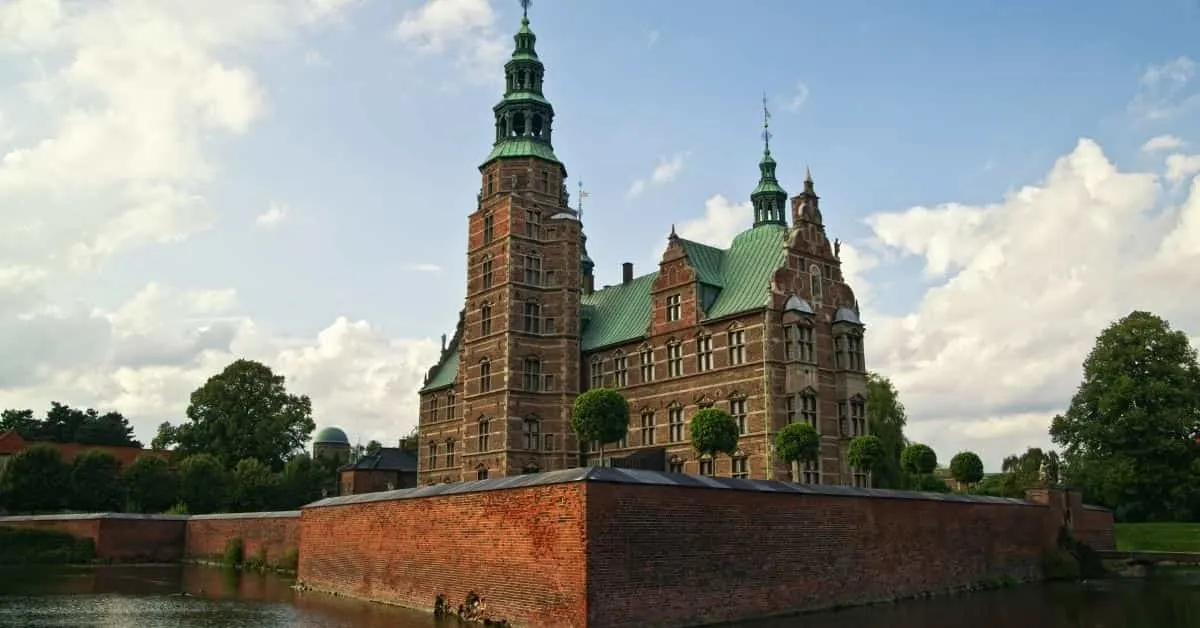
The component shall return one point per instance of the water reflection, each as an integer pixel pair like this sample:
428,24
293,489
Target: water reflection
192,596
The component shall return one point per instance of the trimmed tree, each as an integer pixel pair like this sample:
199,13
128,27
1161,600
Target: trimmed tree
714,431
600,415
36,480
96,482
966,468
866,453
151,484
798,443
918,459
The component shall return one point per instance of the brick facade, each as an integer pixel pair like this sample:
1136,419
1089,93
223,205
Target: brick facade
272,533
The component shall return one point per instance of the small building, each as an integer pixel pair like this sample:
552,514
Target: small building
386,469
12,443
331,443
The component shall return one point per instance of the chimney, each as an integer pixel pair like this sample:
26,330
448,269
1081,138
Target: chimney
589,284
626,272
443,343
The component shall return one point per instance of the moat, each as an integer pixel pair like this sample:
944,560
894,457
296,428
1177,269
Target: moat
187,596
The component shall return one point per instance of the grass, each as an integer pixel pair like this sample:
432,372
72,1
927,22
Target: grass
1158,537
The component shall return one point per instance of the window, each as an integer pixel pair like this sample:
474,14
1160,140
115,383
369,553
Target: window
485,319
790,406
532,320
545,185
673,309
808,409
531,434
814,273
450,401
789,342
433,408
741,468
620,370
804,344
597,372
810,473
839,352
433,452
704,353
485,376
675,424
862,480
675,466
532,368
854,353
489,228
674,359
491,184
647,355
858,417
449,453
647,427
737,347
481,474
548,442
533,223
484,435
706,466
487,273
623,442
737,407
533,270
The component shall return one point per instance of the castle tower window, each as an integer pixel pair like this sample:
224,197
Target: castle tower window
741,467
790,337
533,317
450,407
675,465
433,452
675,424
811,472
531,434
620,370
596,372
485,319
854,355
790,407
485,435
536,130
737,407
533,224
486,272
481,474
433,408
533,270
518,124
706,466
491,187
805,347
647,427
808,409
545,185
449,453
858,417
647,359
485,376
704,353
841,359
674,311
737,347
489,228
674,359
532,368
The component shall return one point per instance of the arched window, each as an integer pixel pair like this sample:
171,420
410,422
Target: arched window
518,124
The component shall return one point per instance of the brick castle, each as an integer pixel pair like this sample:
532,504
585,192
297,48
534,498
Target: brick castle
767,329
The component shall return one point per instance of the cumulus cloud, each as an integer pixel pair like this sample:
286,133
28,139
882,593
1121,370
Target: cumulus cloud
275,214
1167,90
1180,167
667,169
1161,143
464,29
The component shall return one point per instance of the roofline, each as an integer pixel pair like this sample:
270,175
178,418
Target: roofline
726,317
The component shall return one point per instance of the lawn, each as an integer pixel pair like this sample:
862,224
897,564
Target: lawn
1158,537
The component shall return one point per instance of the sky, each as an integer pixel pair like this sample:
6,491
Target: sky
185,183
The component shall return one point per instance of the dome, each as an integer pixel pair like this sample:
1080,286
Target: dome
331,436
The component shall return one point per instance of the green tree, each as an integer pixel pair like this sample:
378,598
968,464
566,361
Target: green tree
302,482
866,453
245,411
966,467
918,459
203,484
373,447
166,437
96,482
798,443
65,424
109,428
714,431
22,422
887,419
253,486
36,480
600,415
151,485
1129,434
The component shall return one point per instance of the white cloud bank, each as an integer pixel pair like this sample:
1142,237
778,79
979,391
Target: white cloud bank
665,172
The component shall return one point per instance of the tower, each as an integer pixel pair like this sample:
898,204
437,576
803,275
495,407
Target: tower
768,198
519,364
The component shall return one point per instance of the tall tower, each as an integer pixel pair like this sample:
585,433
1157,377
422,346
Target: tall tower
520,346
768,198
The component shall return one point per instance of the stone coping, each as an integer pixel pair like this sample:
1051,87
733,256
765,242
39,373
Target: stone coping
612,475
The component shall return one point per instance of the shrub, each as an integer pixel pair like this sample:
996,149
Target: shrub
36,480
151,483
96,482
714,431
235,552
966,467
918,459
29,546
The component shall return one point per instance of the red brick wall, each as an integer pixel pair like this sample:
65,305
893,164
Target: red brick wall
681,556
121,538
520,550
1095,526
272,532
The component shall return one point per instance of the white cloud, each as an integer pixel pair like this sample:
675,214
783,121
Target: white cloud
1167,90
1161,143
464,29
798,98
1180,167
652,37
667,169
275,214
423,268
990,354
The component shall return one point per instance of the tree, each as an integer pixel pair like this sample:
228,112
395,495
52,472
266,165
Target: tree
798,443
373,447
918,459
600,415
866,453
966,467
152,486
302,482
64,424
36,480
1129,434
887,419
203,483
254,487
245,411
96,482
22,422
110,428
166,437
714,431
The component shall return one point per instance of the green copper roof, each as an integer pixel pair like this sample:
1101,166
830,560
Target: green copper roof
767,183
742,273
522,148
523,95
445,373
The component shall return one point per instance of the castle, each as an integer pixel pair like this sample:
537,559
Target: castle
766,329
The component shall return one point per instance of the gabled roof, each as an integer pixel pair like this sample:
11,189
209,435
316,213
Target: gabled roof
385,459
444,373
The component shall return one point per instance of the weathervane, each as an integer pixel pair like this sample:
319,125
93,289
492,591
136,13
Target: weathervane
582,193
766,134
525,8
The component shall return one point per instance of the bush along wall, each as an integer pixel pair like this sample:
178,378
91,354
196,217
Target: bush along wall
27,546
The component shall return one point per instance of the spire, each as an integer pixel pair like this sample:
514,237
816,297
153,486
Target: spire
768,197
586,265
524,118
807,205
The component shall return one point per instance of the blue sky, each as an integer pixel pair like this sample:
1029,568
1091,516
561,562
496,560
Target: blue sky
362,124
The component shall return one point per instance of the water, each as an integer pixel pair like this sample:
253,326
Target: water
151,597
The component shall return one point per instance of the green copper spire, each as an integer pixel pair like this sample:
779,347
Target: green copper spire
524,118
768,197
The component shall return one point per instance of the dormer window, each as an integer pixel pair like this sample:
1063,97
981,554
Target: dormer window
674,310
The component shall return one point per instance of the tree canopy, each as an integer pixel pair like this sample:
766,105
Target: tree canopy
245,411
65,424
887,419
866,453
600,415
95,482
966,467
918,459
798,443
1129,434
36,479
714,431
